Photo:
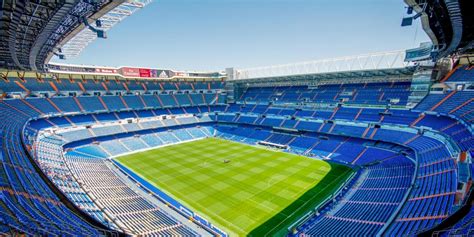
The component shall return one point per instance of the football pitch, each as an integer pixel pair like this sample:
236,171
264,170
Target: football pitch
242,189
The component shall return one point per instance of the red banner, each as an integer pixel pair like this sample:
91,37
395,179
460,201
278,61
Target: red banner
144,72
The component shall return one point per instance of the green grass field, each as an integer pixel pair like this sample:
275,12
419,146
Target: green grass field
259,192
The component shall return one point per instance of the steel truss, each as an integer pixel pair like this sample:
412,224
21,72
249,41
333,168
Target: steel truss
363,63
76,44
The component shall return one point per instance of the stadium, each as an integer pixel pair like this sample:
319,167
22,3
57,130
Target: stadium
379,144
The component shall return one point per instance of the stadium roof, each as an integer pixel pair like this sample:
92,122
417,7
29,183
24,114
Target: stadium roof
376,64
32,31
73,47
449,23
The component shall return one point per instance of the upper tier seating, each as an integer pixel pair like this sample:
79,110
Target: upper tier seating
462,74
14,84
457,103
369,93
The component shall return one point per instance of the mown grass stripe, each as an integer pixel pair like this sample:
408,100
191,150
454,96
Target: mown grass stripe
257,190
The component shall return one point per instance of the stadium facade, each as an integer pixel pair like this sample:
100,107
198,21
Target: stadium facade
399,123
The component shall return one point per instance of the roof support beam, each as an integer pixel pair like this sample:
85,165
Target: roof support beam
48,29
454,11
16,14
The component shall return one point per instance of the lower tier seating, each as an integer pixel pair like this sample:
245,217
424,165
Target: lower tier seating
27,202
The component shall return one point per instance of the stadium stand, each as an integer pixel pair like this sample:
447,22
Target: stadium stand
462,73
368,93
398,164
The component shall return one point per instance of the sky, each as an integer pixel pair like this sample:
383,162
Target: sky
211,35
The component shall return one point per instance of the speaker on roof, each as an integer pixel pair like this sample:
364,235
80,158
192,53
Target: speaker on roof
60,56
101,34
407,21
